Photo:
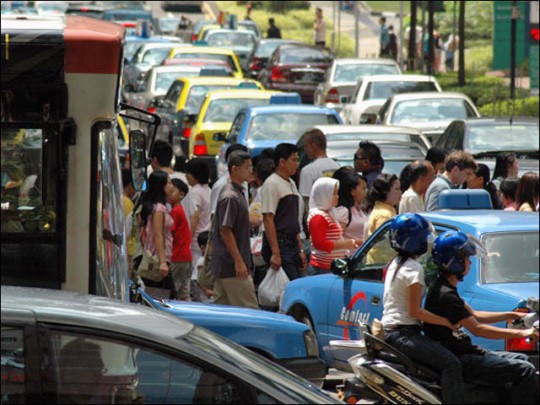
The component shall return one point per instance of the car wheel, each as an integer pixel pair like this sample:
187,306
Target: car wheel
306,320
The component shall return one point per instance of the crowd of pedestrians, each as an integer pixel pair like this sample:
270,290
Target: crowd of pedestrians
209,242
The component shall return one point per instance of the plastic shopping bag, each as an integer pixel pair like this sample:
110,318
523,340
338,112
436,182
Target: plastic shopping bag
272,286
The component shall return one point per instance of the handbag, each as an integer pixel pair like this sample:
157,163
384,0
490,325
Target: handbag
162,290
256,245
149,267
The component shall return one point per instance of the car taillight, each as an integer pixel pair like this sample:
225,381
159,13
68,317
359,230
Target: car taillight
200,145
186,133
129,24
519,344
277,75
152,109
193,37
332,96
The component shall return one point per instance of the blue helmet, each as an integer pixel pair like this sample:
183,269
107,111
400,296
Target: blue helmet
410,233
452,248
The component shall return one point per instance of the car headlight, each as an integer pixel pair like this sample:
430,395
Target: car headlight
312,348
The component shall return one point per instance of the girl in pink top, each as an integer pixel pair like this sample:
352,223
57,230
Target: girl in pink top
327,241
156,222
352,192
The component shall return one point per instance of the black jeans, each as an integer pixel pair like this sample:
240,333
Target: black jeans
430,353
289,252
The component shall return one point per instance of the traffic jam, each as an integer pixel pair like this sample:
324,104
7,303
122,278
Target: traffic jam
197,210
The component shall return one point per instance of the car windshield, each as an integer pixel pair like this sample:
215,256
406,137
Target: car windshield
501,137
232,39
384,90
224,110
197,93
169,25
285,125
266,48
165,79
154,56
408,111
503,249
354,72
345,136
304,55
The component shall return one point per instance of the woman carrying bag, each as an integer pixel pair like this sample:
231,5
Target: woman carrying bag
156,237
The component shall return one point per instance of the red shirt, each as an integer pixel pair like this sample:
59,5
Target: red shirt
181,236
324,232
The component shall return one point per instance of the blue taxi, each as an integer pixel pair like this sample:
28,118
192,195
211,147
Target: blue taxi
264,127
332,305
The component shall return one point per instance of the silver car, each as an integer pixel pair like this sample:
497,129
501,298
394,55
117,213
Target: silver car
430,112
157,81
341,79
66,347
371,93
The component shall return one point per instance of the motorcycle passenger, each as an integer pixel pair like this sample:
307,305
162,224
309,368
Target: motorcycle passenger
404,287
451,253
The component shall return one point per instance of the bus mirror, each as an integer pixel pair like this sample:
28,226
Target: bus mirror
137,154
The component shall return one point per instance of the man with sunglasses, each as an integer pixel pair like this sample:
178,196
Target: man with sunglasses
368,161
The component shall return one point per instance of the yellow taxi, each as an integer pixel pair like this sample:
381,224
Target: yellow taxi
184,99
217,113
209,52
205,29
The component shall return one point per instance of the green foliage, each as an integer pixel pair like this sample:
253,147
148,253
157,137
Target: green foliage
526,107
478,19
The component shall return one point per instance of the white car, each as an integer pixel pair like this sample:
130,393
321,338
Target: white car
341,78
372,91
430,112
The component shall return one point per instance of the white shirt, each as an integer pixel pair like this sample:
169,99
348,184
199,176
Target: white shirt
411,201
395,301
322,167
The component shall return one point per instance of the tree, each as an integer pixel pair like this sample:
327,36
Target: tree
461,45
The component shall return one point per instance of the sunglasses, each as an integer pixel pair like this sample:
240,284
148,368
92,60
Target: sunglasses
360,157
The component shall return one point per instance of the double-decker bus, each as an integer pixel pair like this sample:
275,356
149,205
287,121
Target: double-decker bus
62,217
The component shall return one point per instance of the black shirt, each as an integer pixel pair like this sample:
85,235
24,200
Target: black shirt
232,212
443,299
273,32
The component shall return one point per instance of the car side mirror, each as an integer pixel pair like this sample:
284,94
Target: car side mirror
156,101
344,99
189,118
340,267
368,118
220,137
137,155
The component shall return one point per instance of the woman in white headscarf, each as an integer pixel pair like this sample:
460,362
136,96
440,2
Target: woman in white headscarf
327,241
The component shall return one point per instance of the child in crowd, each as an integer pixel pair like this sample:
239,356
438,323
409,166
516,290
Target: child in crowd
201,287
181,256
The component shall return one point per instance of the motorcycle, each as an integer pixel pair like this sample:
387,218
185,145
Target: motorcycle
383,374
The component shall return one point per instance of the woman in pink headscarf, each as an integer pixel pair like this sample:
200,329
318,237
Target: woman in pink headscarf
327,241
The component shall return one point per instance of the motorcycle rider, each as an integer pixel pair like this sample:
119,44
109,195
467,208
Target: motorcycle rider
451,253
404,287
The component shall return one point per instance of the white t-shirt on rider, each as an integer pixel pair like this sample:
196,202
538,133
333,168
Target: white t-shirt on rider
395,302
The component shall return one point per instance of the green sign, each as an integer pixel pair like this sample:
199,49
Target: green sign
502,35
533,68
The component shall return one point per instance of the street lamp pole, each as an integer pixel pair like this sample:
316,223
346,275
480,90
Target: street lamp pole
356,31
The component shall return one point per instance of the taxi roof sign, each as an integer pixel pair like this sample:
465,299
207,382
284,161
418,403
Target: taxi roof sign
248,85
286,98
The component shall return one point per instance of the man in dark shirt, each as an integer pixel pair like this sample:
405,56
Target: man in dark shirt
273,30
451,253
232,249
368,161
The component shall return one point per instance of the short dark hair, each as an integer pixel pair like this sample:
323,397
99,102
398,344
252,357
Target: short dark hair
180,185
199,170
233,147
237,158
463,160
315,136
418,169
271,20
264,168
284,151
381,186
372,152
163,152
202,238
436,154
508,187
503,161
